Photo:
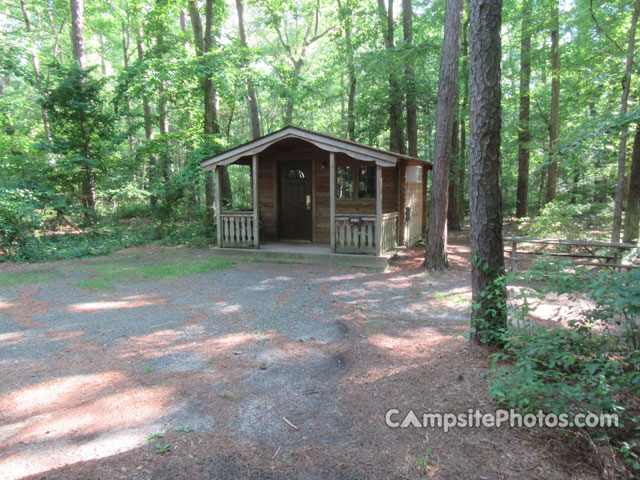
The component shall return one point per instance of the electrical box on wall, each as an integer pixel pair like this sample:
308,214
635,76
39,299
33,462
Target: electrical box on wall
414,173
407,213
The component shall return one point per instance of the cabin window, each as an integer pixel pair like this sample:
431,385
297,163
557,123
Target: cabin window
295,173
344,182
367,182
355,182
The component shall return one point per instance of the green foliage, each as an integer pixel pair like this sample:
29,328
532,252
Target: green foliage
81,125
489,307
593,366
19,219
426,459
567,219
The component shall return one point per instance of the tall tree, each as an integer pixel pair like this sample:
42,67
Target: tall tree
524,133
77,32
252,99
295,48
37,74
436,255
622,146
632,214
453,218
410,79
148,124
77,43
488,313
346,18
463,112
163,109
203,41
396,133
554,126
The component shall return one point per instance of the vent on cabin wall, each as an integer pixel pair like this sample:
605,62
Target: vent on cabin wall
414,173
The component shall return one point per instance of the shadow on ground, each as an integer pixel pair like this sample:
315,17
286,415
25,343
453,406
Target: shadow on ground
250,371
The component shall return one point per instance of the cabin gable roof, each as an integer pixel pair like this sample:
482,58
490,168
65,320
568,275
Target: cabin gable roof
356,150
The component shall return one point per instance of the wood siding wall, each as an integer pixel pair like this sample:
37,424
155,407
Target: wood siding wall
414,200
268,194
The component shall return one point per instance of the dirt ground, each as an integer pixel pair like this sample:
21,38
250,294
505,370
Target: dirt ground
258,370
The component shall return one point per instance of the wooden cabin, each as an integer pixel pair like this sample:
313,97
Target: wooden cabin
311,187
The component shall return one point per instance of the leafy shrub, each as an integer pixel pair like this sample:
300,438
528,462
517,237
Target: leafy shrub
591,367
19,219
556,219
132,210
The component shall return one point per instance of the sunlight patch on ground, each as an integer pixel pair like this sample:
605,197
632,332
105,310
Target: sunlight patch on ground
115,305
32,400
96,415
37,460
6,304
153,345
11,337
225,308
341,278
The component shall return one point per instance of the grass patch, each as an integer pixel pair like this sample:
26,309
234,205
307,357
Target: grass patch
94,284
105,273
8,279
229,395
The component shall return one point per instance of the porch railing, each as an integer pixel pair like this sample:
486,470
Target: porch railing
237,229
356,233
389,231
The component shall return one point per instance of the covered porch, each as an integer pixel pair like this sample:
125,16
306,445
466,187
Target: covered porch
313,194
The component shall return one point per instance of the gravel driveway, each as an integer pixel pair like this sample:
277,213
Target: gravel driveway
254,370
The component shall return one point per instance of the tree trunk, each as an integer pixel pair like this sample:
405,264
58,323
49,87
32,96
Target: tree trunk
524,135
489,314
554,128
251,90
35,61
622,146
436,255
77,42
148,129
347,21
412,108
204,41
125,64
163,110
291,101
463,131
396,134
57,51
77,31
632,214
103,56
453,220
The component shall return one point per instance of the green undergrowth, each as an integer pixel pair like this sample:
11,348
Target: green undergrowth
107,275
17,278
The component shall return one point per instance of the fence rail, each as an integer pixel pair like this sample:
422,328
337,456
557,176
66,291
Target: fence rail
580,252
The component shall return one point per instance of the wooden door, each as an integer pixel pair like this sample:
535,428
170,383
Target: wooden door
295,212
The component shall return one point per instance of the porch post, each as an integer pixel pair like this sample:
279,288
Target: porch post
256,216
218,207
332,200
378,232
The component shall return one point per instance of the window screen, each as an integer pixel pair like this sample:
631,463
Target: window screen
344,182
367,182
